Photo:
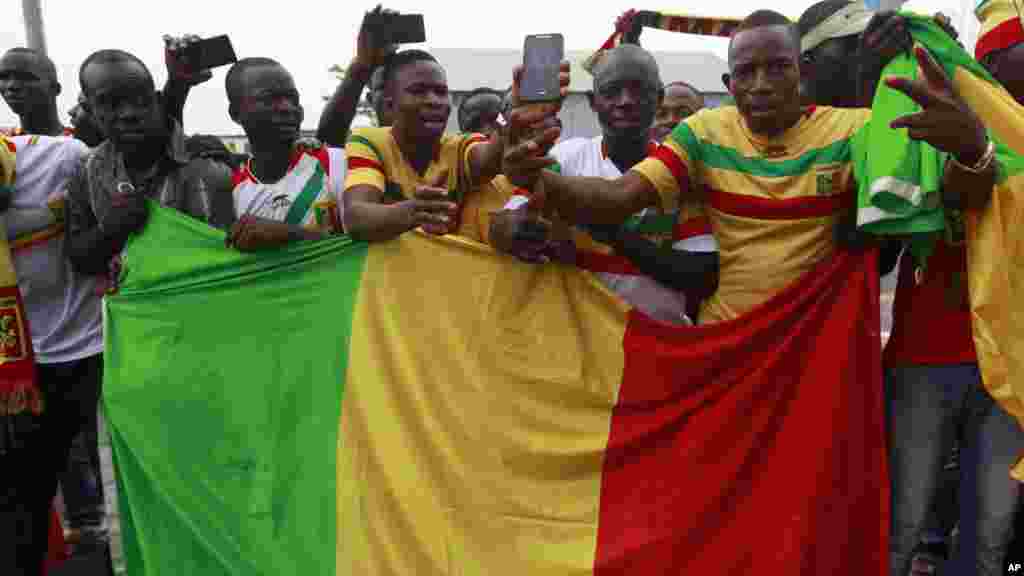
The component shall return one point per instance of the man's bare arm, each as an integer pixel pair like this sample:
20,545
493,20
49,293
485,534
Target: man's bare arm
582,200
368,218
371,52
485,161
341,108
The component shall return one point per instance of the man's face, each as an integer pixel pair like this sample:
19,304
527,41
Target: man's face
421,103
1007,67
124,102
25,82
678,104
828,72
86,128
482,110
625,101
765,78
268,106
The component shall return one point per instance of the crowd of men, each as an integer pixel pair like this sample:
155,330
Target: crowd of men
641,190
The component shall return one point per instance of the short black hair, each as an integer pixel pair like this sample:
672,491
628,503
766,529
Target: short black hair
398,60
635,51
108,56
818,13
233,80
463,112
48,67
762,19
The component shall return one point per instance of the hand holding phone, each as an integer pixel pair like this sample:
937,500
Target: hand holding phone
191,55
394,28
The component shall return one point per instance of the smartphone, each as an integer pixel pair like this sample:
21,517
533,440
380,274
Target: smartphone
542,58
400,28
210,53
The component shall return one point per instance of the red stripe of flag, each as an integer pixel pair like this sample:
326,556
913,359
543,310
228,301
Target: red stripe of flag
732,450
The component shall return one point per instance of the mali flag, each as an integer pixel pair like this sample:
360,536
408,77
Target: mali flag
424,406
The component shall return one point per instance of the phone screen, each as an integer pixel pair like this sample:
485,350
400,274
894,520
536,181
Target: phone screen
401,28
211,53
542,56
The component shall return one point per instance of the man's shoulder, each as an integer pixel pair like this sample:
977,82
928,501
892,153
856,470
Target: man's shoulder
707,125
371,143
66,144
372,134
842,121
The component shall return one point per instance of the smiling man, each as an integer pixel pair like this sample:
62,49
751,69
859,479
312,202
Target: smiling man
285,192
674,264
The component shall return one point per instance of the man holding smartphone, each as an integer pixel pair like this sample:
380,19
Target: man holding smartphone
675,261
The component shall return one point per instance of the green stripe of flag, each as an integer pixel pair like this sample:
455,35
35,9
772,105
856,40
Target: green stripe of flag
253,361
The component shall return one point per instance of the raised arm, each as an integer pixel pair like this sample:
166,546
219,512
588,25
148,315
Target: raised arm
180,76
336,119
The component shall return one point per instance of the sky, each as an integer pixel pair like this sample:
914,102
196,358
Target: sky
314,34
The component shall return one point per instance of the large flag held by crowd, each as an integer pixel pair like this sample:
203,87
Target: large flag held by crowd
426,406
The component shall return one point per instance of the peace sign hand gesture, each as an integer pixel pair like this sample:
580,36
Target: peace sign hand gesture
945,121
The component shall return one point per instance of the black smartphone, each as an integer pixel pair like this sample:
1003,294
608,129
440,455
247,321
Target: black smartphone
210,53
542,58
400,28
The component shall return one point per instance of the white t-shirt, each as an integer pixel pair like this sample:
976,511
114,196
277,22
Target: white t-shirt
63,307
586,157
322,170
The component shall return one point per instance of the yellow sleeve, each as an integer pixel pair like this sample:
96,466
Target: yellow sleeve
6,162
467,143
365,161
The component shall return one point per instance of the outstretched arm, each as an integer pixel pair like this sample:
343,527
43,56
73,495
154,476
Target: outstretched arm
340,110
693,273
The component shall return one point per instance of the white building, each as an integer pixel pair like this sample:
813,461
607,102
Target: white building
475,68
